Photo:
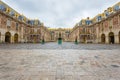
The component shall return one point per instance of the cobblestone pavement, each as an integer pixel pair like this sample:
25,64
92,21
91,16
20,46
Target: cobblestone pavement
55,64
65,45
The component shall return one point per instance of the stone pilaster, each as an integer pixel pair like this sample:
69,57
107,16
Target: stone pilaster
116,39
2,38
107,39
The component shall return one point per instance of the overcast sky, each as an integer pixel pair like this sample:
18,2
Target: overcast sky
60,13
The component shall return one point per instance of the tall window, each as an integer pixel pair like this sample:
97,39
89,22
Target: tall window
110,24
102,27
119,19
8,23
115,20
17,25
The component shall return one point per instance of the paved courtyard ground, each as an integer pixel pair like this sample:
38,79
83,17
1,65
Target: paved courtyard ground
65,45
59,62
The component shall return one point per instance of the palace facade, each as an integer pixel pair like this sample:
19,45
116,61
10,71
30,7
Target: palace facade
103,28
60,33
15,27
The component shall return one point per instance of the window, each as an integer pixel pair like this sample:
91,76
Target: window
35,30
110,22
17,25
102,27
8,23
119,17
115,20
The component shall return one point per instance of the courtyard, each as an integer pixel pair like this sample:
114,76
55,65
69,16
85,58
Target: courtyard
67,61
63,46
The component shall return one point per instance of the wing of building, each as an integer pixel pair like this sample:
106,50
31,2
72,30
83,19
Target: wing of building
15,27
103,28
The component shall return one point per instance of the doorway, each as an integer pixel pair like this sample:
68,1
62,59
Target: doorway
16,38
111,38
7,37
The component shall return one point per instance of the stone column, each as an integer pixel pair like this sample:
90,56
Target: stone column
2,38
12,39
116,37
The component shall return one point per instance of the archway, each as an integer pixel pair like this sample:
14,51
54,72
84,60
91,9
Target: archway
8,37
111,38
119,36
16,38
103,38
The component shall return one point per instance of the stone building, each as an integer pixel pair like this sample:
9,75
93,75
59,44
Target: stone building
15,27
60,33
38,33
103,28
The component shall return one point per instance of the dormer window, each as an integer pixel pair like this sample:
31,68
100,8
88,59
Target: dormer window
12,13
2,7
